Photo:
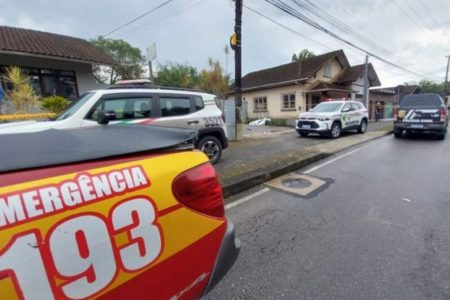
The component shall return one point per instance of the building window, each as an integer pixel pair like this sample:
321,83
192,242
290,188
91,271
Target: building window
48,82
288,102
260,104
327,70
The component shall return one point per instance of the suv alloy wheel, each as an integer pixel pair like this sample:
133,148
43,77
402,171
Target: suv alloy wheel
212,147
335,130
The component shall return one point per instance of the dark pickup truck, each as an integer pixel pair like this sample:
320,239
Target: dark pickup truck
421,113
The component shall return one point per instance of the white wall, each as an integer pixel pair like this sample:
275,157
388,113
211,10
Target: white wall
275,102
335,70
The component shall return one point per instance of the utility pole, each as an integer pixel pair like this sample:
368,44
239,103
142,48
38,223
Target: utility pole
366,83
238,69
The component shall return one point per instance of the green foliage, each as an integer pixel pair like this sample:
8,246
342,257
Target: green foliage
128,61
54,104
302,55
22,96
277,122
213,80
433,87
177,75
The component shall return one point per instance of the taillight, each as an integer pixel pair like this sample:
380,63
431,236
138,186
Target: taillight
199,189
443,114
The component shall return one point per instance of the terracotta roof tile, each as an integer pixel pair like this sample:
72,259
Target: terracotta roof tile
49,44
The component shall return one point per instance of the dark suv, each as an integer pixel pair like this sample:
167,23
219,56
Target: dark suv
421,113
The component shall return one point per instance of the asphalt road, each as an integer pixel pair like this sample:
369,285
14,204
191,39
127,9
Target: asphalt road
378,229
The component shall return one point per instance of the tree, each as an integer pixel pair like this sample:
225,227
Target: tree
213,80
176,75
302,55
433,87
128,61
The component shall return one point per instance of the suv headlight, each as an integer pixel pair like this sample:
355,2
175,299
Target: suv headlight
323,119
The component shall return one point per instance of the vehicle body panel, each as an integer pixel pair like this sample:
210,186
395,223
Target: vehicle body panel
421,113
321,122
189,241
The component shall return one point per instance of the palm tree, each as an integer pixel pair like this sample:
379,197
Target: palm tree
304,54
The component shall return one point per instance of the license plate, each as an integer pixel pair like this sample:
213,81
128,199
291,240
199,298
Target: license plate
306,126
416,125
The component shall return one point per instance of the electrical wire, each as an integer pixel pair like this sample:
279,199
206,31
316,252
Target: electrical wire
138,17
289,10
136,32
385,69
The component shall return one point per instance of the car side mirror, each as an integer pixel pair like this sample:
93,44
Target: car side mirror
105,116
346,109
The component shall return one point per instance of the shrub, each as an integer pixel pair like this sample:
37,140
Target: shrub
54,104
277,122
22,95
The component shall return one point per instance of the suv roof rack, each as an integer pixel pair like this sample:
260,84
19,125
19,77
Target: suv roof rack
149,86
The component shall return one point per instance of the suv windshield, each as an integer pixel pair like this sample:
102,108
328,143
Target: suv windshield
327,107
421,101
74,106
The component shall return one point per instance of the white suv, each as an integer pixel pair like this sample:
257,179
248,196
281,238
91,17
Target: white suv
332,118
138,105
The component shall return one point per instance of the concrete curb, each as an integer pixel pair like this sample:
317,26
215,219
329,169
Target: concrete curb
243,183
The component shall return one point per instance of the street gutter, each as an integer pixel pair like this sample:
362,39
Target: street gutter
236,181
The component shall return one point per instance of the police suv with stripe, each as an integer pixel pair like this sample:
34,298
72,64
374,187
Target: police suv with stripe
332,118
421,113
142,105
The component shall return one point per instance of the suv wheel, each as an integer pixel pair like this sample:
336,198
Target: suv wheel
398,133
335,130
303,134
212,147
363,126
441,136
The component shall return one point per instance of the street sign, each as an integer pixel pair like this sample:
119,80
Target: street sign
151,52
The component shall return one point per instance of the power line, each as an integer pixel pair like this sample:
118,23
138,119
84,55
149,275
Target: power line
287,28
137,18
386,68
135,29
430,13
418,15
289,10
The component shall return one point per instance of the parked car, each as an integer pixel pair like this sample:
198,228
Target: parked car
103,213
332,118
421,113
142,105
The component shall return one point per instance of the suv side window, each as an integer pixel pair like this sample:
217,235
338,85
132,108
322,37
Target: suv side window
126,108
346,106
198,102
356,106
174,106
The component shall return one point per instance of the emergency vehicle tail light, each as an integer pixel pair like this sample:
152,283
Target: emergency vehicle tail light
200,190
443,114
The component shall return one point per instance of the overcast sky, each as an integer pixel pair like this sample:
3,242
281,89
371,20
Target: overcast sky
414,34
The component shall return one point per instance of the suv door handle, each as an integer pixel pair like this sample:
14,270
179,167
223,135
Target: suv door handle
192,122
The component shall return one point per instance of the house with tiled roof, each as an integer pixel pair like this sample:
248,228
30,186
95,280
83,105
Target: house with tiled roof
284,91
56,64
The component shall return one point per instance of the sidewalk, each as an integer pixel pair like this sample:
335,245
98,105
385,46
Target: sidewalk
267,152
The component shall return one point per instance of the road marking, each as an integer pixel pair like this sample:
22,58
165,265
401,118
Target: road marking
406,199
247,198
338,158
